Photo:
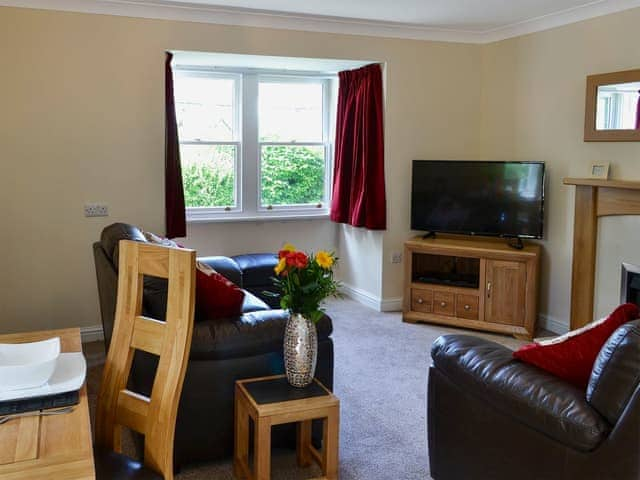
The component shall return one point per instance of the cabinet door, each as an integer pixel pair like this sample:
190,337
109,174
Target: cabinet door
505,292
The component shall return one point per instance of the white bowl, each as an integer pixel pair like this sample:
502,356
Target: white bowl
27,365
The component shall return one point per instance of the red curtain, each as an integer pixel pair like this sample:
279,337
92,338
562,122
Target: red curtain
175,216
358,180
638,113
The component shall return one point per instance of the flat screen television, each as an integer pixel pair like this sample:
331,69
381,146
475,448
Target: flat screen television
490,198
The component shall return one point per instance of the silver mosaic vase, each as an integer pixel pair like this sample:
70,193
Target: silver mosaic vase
300,350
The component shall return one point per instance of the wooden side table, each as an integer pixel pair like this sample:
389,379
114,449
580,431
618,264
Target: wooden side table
272,401
56,447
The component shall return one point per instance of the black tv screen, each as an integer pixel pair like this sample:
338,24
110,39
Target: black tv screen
478,197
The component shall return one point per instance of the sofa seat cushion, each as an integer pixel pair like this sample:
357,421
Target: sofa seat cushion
257,268
524,392
253,333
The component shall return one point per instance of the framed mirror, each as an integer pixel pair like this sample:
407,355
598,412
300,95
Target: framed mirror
612,107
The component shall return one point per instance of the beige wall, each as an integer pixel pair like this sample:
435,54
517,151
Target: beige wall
533,109
82,120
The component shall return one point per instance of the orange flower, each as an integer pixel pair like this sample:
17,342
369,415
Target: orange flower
296,259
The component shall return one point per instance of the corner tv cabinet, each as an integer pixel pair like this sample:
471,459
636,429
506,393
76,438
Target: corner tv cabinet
481,284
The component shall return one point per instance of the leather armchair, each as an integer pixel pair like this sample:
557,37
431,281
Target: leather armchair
493,417
222,351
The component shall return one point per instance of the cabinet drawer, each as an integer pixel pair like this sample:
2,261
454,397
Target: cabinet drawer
443,303
467,306
421,300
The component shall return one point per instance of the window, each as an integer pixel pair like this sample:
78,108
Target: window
253,145
207,110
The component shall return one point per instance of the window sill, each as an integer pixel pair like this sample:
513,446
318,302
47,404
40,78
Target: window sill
277,217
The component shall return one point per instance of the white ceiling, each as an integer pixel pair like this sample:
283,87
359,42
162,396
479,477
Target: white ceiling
467,15
475,21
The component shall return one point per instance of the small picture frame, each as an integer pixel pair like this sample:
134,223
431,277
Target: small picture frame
600,170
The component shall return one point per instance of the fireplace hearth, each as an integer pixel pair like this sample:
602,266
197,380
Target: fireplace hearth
630,285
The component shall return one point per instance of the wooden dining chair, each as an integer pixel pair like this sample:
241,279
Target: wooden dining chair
170,340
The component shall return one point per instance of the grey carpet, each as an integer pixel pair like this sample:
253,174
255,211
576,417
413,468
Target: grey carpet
381,379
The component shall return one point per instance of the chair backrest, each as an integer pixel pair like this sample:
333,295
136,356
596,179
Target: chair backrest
154,416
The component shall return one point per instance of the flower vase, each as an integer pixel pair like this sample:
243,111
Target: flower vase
300,350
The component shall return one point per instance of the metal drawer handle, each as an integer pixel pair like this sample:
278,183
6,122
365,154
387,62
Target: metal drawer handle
467,307
443,304
420,300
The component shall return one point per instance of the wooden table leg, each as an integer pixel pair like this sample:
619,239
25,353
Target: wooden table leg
330,444
262,449
303,442
241,450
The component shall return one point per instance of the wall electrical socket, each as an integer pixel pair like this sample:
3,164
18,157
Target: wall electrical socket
396,257
96,210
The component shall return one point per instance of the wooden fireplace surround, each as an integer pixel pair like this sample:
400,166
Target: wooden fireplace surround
594,198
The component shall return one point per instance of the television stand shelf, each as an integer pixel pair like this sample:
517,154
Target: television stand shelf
475,283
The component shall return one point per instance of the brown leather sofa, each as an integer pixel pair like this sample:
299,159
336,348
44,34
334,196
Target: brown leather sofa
222,350
491,417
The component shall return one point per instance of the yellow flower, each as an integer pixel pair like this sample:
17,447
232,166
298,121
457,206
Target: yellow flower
324,259
288,247
282,263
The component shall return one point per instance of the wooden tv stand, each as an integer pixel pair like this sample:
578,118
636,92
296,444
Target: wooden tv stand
475,283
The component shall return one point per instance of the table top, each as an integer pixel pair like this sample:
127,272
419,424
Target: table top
56,447
273,395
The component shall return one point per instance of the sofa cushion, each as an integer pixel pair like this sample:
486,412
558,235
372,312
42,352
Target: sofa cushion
616,372
532,396
225,266
269,294
257,268
111,236
253,333
216,295
253,303
571,356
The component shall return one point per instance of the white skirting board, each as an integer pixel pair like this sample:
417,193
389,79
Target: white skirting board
372,301
553,325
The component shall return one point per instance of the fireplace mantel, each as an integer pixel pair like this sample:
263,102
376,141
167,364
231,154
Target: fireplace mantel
594,198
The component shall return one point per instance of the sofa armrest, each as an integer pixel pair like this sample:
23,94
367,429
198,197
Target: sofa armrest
225,266
528,394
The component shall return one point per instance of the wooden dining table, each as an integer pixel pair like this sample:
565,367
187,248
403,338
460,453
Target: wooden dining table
56,447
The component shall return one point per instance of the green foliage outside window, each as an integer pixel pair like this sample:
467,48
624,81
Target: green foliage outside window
204,187
208,176
290,175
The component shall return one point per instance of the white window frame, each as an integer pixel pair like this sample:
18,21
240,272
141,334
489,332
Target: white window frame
195,213
248,176
326,143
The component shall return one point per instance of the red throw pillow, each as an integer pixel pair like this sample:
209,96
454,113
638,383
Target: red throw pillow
216,296
572,355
